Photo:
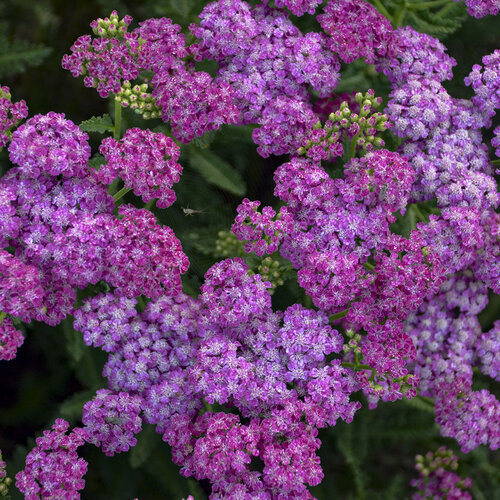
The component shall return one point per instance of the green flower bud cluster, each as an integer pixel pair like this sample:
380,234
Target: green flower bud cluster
431,462
352,344
139,99
112,26
228,245
270,270
362,128
5,481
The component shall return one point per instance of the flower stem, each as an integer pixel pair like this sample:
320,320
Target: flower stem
120,194
118,120
427,5
339,315
382,9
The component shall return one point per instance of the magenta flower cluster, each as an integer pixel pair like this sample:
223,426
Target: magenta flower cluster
53,468
11,113
145,161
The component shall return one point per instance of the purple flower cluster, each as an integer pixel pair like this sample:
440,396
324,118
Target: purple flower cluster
297,7
356,29
10,338
485,83
105,61
438,478
481,8
50,144
261,233
269,63
147,163
53,469
415,55
112,420
11,113
193,102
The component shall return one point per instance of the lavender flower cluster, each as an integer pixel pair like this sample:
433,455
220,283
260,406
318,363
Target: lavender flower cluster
228,381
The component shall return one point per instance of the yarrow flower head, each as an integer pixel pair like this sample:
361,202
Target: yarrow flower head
297,7
356,29
108,60
415,55
112,420
146,161
261,233
11,113
52,145
481,8
485,83
438,477
10,338
53,468
231,295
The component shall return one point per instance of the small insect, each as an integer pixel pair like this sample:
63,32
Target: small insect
115,420
188,212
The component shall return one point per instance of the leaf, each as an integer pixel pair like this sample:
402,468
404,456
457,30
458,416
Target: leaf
74,341
99,124
96,161
16,56
147,442
216,171
71,408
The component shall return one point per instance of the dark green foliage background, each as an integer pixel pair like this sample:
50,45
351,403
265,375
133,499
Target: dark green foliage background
55,373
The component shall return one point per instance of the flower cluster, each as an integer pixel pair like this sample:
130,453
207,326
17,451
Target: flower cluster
11,113
438,477
481,8
5,481
356,29
111,420
53,468
261,233
50,144
269,63
147,163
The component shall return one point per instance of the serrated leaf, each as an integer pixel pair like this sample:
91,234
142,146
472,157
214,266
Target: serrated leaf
216,171
147,442
16,56
99,124
96,161
75,346
71,408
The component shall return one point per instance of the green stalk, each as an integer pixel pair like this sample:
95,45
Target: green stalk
118,120
339,315
123,191
369,266
427,5
356,366
382,9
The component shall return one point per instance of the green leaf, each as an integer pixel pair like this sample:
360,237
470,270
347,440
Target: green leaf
147,442
96,161
99,124
71,408
16,56
216,171
74,341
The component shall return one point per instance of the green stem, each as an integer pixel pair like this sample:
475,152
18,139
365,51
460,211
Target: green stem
398,18
118,120
356,366
369,266
339,315
123,191
2,316
444,10
496,162
382,9
427,5
353,146
150,204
